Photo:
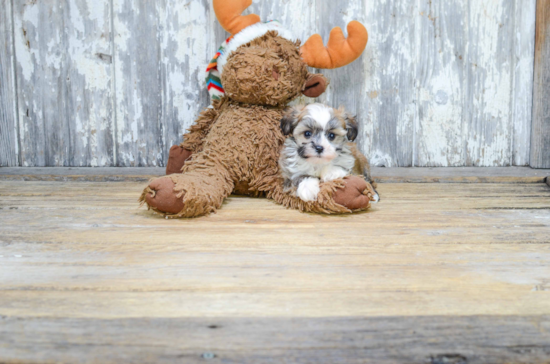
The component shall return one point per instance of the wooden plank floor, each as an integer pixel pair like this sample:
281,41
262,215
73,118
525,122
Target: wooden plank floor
381,175
435,273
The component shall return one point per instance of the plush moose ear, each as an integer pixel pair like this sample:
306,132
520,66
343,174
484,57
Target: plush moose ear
290,119
351,127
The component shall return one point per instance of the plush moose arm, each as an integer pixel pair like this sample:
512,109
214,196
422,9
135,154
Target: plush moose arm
194,138
335,197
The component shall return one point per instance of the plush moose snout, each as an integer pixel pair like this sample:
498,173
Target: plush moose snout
315,85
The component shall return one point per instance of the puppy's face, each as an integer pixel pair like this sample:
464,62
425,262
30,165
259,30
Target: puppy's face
319,131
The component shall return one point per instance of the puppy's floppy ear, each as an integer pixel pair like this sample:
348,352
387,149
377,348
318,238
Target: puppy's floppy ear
290,119
351,127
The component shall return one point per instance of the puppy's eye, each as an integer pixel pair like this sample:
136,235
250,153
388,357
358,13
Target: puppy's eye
331,136
307,134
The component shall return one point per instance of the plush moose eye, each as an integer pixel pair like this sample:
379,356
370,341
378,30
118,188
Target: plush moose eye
331,136
307,134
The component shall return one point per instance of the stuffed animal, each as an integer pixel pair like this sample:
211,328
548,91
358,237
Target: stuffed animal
235,144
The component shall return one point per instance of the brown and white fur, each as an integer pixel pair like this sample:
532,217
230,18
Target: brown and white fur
319,148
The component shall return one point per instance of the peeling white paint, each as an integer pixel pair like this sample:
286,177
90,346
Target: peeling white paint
379,159
66,94
98,12
23,52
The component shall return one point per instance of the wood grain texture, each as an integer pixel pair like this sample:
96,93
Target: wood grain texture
9,148
433,271
389,92
426,340
540,137
161,52
441,82
63,54
522,88
488,128
380,175
474,54
138,83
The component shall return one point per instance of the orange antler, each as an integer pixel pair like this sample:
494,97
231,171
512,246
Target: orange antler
229,15
340,51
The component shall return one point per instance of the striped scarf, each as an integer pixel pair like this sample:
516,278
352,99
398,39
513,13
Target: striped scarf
213,77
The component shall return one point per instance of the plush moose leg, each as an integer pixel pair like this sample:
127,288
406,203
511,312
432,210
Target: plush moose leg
351,194
222,155
194,193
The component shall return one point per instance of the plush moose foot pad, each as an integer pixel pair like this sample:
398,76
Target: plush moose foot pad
160,196
176,159
356,195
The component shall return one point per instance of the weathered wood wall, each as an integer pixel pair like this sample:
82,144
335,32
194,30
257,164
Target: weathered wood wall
102,83
540,140
63,66
9,151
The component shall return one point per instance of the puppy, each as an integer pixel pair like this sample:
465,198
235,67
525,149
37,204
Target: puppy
319,148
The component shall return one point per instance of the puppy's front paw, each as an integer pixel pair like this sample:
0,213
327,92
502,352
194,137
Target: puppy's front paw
375,198
332,173
308,189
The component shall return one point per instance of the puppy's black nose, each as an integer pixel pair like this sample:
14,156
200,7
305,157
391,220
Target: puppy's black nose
319,149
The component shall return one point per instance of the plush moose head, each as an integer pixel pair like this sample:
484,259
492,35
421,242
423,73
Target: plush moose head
263,63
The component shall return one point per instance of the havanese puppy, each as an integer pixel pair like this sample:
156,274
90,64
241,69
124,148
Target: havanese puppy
319,148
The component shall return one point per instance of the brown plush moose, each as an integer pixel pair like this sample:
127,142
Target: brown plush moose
234,146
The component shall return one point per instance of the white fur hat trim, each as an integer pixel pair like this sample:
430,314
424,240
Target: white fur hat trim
250,33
